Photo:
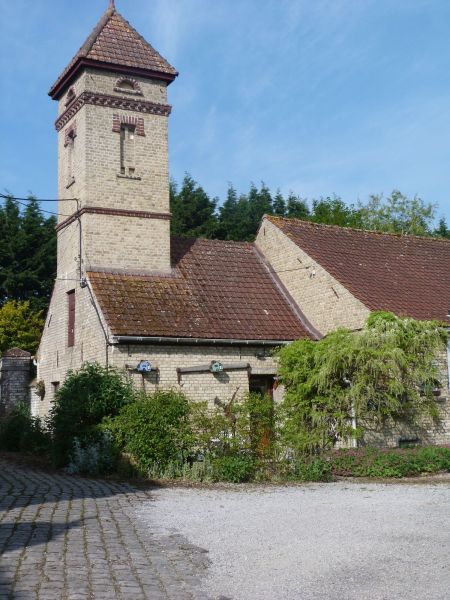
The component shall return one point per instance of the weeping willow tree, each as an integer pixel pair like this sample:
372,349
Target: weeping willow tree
386,371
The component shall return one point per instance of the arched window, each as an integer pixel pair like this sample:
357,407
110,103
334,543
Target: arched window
125,85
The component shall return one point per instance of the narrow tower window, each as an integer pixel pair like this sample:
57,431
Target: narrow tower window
71,319
127,150
69,143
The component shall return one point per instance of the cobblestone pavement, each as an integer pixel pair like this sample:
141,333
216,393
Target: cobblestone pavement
66,538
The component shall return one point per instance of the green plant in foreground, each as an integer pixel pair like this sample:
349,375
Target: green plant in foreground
233,469
83,401
155,430
21,432
394,463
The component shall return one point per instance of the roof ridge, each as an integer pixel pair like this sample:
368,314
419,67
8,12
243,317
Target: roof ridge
359,229
92,37
212,240
140,36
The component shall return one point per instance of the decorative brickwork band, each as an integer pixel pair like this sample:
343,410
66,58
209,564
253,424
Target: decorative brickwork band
115,212
70,133
70,97
142,106
137,122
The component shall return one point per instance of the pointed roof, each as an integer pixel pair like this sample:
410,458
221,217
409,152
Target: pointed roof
114,43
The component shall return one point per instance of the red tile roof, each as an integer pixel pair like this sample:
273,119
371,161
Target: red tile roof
115,42
218,290
407,275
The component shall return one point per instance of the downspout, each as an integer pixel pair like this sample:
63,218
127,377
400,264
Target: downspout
84,283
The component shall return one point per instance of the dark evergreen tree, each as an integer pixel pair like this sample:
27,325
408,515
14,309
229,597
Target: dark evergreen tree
279,205
27,254
193,212
229,226
443,230
259,204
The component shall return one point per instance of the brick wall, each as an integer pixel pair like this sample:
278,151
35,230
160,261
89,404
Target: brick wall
15,370
203,386
323,300
98,182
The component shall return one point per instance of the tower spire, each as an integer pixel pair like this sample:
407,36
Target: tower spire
112,5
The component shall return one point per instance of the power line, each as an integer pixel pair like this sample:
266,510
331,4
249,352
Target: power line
48,212
6,197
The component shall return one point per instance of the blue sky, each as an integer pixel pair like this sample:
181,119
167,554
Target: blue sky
315,96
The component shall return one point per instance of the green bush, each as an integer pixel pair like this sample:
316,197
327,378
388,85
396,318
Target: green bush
396,463
155,430
310,469
233,469
93,457
245,425
84,400
20,432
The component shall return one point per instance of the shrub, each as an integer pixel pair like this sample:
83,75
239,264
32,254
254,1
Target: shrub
20,432
387,371
233,469
84,400
244,425
314,470
93,457
155,430
390,463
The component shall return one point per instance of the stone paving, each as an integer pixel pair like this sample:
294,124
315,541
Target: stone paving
67,538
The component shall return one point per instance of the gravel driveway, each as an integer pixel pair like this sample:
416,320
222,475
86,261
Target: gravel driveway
346,541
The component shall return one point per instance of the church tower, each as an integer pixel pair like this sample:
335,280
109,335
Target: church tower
113,175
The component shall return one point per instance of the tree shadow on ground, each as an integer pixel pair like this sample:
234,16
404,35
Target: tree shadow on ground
26,535
30,486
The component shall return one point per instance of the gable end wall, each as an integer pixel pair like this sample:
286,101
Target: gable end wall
325,302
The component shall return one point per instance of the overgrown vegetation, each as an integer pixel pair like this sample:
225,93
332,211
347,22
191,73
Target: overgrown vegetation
407,462
337,387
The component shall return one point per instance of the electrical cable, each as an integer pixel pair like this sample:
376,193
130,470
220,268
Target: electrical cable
6,197
48,212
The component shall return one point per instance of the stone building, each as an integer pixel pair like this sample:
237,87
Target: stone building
199,315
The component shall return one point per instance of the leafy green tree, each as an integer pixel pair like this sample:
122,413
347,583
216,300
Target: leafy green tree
386,371
397,214
297,208
193,212
20,326
334,211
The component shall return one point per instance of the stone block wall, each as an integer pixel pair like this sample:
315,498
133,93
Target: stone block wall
15,368
198,386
